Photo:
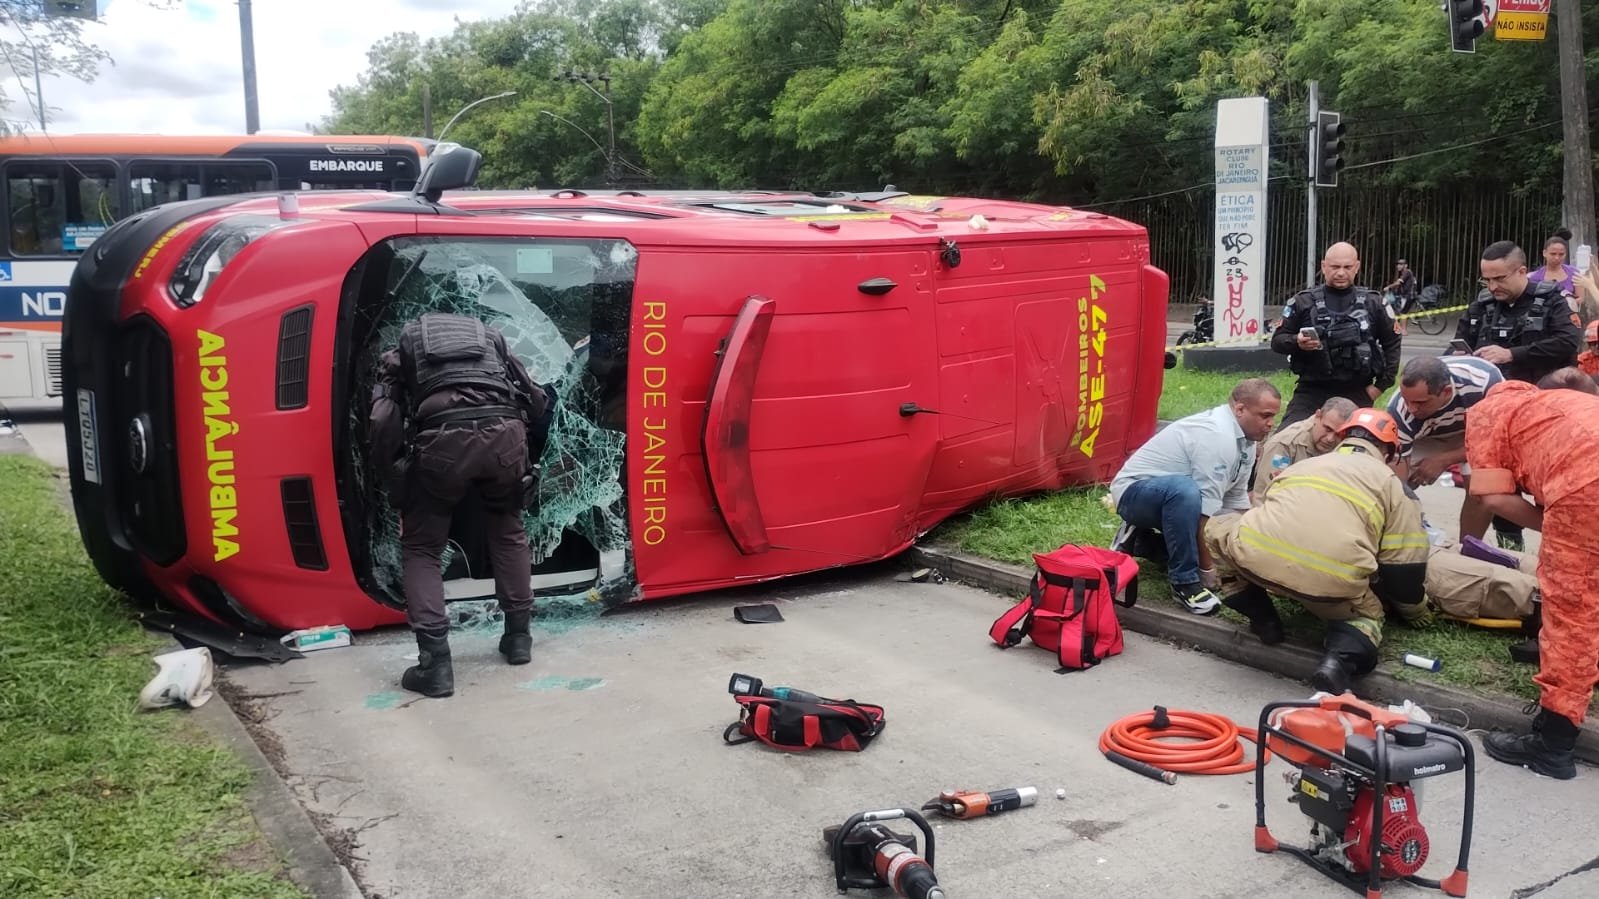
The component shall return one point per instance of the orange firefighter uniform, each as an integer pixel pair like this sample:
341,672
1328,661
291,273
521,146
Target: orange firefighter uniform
1544,441
1588,360
1338,534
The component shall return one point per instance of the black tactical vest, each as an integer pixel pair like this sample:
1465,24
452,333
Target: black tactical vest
452,351
1495,323
1350,350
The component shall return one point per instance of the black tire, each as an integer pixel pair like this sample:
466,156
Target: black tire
1186,337
1432,324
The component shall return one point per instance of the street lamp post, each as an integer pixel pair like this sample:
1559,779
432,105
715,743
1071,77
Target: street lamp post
499,96
580,130
587,80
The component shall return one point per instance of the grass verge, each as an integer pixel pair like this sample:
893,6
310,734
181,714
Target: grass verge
1186,392
96,798
1012,530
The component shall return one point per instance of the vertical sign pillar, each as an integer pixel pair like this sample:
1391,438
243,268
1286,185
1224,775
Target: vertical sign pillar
1239,244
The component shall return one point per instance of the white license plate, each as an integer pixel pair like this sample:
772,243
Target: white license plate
88,437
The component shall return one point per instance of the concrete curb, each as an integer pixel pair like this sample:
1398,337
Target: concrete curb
1221,638
310,864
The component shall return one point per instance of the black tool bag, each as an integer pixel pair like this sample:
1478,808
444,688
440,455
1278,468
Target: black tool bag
795,726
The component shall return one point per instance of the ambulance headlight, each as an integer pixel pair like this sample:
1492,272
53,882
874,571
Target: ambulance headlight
204,261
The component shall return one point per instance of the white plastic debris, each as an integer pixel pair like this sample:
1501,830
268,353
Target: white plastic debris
977,223
184,678
1412,711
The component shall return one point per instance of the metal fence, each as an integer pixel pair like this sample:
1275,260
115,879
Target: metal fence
1441,233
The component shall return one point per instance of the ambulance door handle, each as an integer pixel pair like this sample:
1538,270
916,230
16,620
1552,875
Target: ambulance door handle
726,438
876,287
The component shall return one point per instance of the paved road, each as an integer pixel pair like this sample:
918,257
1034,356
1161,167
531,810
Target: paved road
599,770
1416,343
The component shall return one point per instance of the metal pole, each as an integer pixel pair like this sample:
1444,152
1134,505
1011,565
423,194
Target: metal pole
38,89
610,123
499,96
252,113
1312,152
1578,186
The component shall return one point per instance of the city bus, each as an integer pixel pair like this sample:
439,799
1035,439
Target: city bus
747,385
62,192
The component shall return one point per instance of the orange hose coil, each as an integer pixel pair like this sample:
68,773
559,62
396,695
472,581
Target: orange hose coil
1209,742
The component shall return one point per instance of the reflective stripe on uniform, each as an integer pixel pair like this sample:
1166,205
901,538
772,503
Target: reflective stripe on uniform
1410,540
1302,556
1342,491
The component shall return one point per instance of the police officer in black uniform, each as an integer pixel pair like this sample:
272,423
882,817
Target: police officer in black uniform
1526,328
464,411
1354,351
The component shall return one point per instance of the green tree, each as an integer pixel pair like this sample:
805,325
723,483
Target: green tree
55,44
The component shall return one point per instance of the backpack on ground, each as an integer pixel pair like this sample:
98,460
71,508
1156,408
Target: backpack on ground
1070,605
797,725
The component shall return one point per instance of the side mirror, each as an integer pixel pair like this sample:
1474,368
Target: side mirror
450,167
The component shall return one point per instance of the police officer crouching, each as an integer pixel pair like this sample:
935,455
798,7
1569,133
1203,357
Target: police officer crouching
1339,338
464,412
1337,533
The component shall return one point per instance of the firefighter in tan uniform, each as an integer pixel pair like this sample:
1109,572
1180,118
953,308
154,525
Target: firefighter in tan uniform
1299,441
1338,534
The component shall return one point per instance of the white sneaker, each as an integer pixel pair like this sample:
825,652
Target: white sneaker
1197,599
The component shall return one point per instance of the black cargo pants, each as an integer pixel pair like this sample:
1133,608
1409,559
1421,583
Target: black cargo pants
1309,398
490,454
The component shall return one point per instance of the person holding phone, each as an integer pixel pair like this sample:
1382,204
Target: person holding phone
1339,339
1523,326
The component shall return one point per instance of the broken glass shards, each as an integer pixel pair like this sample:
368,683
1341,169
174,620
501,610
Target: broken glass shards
564,307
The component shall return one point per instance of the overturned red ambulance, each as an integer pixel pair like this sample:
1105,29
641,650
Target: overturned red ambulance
750,385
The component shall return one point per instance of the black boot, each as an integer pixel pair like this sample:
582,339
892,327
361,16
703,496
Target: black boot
517,644
1547,750
1254,603
432,674
1350,654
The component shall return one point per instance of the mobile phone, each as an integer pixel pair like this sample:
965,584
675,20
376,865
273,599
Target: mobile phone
1460,346
1307,332
1584,257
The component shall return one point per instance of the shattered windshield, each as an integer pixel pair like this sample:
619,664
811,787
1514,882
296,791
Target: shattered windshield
564,307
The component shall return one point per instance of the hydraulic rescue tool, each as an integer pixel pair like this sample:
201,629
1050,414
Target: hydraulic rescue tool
974,804
867,855
1356,763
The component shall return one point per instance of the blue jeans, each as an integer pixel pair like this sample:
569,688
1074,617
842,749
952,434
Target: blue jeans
1170,505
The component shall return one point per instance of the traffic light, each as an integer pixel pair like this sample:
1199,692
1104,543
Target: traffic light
72,9
1465,24
1327,146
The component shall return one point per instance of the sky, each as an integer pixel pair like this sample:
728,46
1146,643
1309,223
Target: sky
179,71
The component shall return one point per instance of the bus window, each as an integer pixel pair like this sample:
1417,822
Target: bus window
57,207
154,183
224,178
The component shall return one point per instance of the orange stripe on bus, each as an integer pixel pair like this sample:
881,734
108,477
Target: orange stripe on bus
51,327
198,145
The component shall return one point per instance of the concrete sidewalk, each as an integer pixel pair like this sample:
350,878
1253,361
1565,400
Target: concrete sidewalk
599,770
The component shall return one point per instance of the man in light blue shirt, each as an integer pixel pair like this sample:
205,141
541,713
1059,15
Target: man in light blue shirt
1192,469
